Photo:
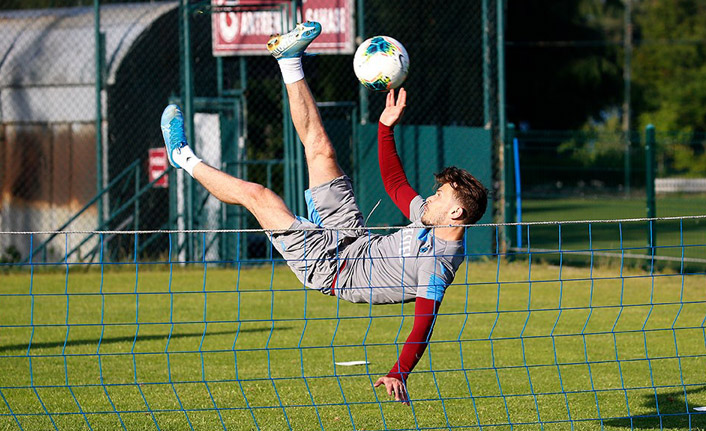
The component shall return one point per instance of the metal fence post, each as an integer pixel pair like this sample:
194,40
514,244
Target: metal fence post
627,77
136,210
486,64
502,120
509,185
99,52
504,150
289,190
362,91
187,97
650,144
627,163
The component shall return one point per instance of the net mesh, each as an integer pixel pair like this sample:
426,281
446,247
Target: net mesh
597,329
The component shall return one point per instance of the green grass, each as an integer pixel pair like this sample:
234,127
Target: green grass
530,342
674,238
611,207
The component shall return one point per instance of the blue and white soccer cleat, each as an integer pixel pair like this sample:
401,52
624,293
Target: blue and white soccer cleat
173,131
294,43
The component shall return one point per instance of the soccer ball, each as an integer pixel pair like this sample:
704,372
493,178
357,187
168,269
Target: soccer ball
381,63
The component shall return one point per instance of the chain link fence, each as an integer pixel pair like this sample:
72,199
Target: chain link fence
603,175
75,157
62,172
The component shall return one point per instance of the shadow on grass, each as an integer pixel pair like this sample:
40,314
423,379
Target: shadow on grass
672,413
129,339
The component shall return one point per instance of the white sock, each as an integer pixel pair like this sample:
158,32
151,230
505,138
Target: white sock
291,69
186,158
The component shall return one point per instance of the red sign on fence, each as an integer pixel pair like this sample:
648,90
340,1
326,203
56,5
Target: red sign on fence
156,165
242,27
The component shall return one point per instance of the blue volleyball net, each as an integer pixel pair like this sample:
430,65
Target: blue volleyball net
589,325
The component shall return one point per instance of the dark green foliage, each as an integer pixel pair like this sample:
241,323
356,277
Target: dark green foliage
11,255
670,64
560,67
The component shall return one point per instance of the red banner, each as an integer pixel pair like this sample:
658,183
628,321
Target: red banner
243,27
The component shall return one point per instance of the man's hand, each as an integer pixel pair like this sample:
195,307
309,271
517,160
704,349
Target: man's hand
393,110
394,387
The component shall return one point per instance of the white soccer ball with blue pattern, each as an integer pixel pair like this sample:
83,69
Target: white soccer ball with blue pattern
381,63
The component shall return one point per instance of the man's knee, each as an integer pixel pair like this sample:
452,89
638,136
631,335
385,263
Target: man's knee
268,208
259,194
262,198
321,151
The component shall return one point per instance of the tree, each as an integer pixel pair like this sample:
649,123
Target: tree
562,65
670,65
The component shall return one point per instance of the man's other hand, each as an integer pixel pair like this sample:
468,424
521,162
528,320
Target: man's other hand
393,109
394,388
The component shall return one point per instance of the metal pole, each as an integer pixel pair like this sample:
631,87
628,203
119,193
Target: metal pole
627,76
486,64
299,164
241,154
517,191
288,168
241,118
288,156
362,91
222,237
99,41
650,147
501,68
298,147
356,153
509,184
136,212
173,207
219,76
189,119
504,156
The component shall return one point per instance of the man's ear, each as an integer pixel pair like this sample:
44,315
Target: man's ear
458,214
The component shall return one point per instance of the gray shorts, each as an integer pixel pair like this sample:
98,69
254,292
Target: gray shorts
311,252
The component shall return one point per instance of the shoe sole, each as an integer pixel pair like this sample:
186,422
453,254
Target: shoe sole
171,113
304,38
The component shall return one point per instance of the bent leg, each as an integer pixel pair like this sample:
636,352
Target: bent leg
268,208
320,155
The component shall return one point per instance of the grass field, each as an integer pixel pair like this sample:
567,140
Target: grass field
611,207
534,345
674,239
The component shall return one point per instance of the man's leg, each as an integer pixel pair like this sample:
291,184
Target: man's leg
320,155
268,208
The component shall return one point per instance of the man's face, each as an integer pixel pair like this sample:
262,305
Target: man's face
439,206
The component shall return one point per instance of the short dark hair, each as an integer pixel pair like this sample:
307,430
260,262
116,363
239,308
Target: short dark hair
470,192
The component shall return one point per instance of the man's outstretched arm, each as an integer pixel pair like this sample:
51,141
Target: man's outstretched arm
424,316
393,177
